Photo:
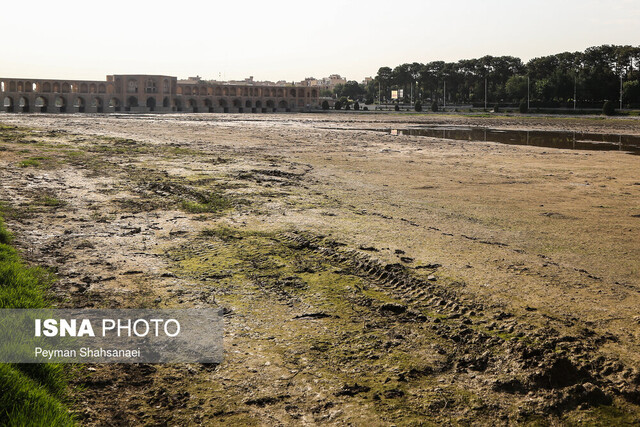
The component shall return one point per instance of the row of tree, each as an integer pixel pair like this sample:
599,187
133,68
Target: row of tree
594,76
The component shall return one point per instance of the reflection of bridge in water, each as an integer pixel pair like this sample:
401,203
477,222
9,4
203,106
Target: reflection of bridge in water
145,94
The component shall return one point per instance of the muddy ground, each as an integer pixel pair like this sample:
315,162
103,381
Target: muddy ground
366,278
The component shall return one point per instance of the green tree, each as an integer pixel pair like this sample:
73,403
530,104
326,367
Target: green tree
516,87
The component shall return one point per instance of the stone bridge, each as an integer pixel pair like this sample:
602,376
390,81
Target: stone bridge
148,94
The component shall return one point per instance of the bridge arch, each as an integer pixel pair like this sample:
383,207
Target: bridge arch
132,102
115,104
80,104
41,103
151,103
98,103
209,104
222,102
23,104
8,105
166,103
61,103
193,104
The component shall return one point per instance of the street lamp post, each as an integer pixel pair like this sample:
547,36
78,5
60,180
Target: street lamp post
527,93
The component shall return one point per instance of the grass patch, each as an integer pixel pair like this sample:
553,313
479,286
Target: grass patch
30,394
210,203
29,163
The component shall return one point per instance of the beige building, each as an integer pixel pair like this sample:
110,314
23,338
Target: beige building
151,93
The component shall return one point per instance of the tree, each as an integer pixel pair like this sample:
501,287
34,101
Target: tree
325,105
434,107
353,90
384,78
608,109
516,87
418,106
523,107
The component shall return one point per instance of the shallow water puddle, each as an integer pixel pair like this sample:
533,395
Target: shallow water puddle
550,139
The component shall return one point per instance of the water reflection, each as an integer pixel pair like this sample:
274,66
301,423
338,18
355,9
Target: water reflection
550,139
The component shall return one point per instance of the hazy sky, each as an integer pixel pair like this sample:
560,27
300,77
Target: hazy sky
291,40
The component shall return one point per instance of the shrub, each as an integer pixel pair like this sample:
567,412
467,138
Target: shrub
418,106
608,109
325,105
523,107
397,107
434,107
356,106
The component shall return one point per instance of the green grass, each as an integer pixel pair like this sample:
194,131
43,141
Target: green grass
29,162
30,394
210,203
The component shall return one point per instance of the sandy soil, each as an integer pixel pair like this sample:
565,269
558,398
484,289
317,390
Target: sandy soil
366,277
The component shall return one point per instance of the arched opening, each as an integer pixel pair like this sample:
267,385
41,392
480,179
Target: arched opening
209,104
66,88
80,105
84,88
165,102
259,108
177,104
8,104
115,104
150,86
225,91
61,104
234,91
165,86
98,104
282,105
46,87
41,104
186,90
271,105
314,93
92,88
292,92
24,105
218,91
247,103
223,104
101,88
196,91
12,86
20,87
56,87
280,93
204,91
28,87
245,91
132,102
193,104
258,104
151,103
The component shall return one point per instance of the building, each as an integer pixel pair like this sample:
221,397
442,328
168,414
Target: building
139,93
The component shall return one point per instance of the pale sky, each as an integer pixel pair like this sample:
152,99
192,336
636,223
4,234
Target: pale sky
291,40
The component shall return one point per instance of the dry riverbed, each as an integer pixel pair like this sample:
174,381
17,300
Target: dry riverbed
365,277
